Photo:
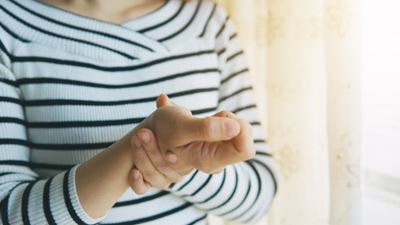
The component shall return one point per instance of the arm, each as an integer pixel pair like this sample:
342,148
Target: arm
244,191
24,197
80,195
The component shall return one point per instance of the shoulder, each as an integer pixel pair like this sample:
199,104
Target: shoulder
214,11
217,22
9,26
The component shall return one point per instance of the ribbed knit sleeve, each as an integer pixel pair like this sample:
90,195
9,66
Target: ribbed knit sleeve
26,198
242,192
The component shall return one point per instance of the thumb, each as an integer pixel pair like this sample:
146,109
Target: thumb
209,129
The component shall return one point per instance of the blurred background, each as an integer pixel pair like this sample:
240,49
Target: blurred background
328,81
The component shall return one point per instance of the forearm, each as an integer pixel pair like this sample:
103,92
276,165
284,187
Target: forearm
101,180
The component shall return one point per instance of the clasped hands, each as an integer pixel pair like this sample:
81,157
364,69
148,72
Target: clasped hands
172,142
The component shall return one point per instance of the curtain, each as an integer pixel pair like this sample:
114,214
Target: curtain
305,58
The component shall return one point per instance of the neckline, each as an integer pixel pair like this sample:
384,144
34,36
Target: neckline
55,27
60,22
161,10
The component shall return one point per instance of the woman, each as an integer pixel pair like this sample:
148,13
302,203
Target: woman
78,122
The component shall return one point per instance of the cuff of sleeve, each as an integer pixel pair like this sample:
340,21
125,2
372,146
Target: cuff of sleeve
75,200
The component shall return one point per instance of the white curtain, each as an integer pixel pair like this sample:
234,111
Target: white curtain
305,57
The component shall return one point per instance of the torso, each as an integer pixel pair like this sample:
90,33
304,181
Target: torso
83,90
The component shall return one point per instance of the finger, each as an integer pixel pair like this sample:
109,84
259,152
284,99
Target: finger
137,182
171,157
144,164
245,138
162,100
153,152
227,114
178,163
239,148
209,129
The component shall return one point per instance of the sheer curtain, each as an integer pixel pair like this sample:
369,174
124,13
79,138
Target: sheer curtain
305,56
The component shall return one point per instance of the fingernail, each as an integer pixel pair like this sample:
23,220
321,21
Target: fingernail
145,137
172,158
231,128
136,175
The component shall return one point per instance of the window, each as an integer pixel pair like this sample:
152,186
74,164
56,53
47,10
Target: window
381,111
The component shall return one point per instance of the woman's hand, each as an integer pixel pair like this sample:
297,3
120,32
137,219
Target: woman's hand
212,157
151,170
174,126
208,156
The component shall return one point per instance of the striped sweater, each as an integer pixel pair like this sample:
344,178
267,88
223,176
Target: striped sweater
70,86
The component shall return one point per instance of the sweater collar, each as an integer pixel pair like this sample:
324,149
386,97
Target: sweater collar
50,23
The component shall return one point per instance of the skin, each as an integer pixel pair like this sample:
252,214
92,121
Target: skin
115,11
101,180
158,163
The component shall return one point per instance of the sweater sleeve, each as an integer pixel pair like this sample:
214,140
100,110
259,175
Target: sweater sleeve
26,198
243,192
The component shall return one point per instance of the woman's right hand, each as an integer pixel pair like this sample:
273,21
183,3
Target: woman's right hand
208,144
171,127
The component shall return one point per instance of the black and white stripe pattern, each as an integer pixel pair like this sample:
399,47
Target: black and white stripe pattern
71,86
